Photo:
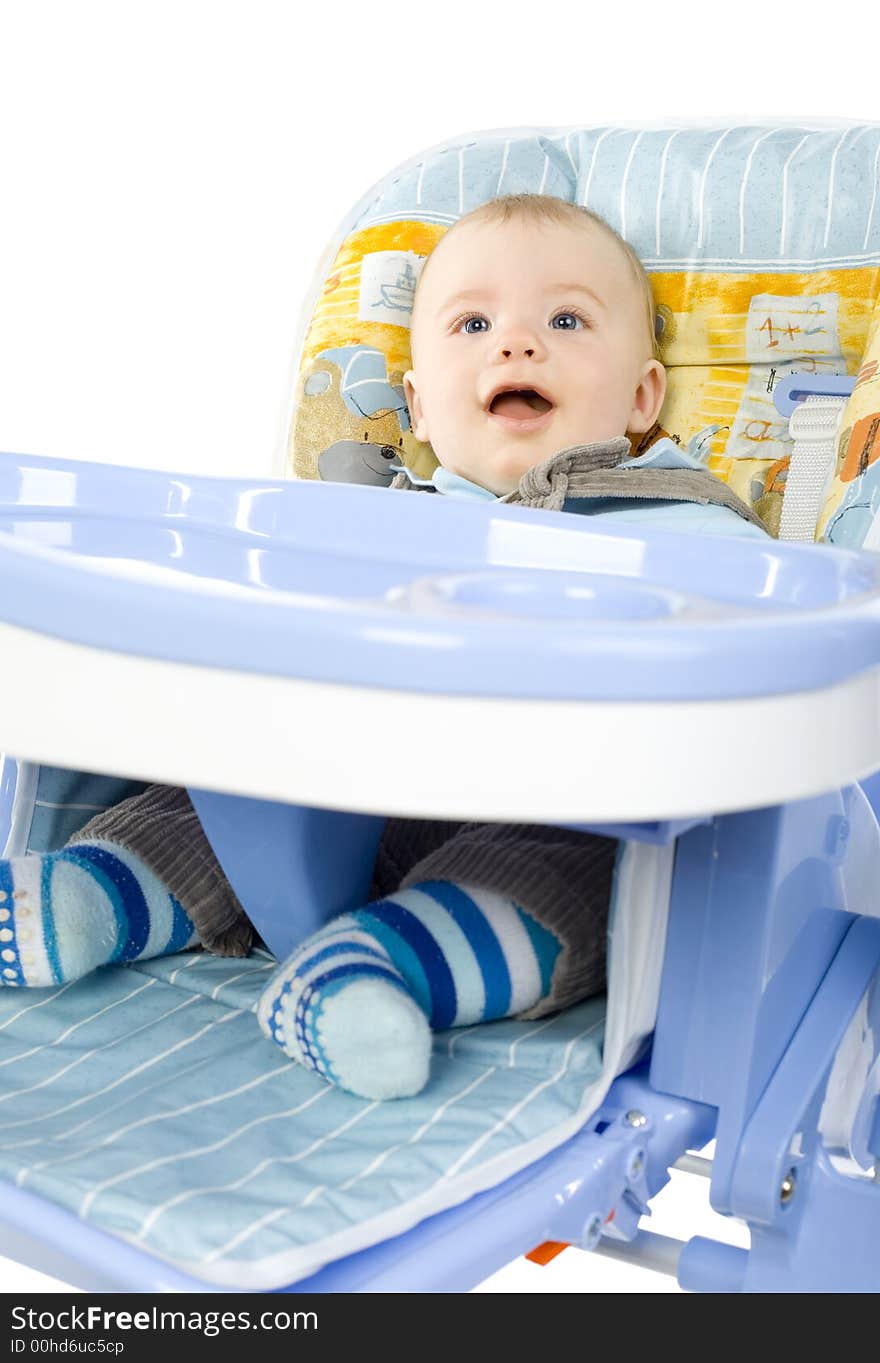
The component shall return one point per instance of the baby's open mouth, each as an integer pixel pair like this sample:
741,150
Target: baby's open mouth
519,404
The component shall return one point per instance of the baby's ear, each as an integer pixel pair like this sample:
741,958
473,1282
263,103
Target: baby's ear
648,398
413,402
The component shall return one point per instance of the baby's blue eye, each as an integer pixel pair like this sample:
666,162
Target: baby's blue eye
569,320
474,331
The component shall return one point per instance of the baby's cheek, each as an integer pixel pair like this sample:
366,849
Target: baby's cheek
454,414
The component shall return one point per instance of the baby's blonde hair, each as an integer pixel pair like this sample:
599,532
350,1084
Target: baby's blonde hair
541,208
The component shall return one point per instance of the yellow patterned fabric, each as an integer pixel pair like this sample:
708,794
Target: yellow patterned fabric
763,250
854,497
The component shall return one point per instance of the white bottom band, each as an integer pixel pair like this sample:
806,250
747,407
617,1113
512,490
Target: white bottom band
422,755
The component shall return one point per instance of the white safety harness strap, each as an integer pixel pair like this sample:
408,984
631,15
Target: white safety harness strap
813,426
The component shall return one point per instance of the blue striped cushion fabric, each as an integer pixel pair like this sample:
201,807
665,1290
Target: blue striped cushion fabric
146,1101
66,800
738,197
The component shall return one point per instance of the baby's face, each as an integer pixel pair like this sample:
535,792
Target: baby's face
553,311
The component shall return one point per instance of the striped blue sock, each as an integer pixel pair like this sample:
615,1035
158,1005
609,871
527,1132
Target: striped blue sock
358,1000
65,913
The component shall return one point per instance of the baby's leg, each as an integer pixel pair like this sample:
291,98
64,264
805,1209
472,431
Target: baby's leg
358,1000
495,920
65,913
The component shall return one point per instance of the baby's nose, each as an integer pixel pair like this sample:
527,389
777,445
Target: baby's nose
517,341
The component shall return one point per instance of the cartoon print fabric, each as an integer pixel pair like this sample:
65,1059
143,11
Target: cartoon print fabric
763,250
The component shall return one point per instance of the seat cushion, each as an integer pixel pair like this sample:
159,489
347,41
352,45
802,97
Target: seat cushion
145,1100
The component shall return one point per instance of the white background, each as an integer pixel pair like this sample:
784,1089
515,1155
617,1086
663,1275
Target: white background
170,174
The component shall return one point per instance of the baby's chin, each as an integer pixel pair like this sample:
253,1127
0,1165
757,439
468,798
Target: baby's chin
506,469
501,470
489,476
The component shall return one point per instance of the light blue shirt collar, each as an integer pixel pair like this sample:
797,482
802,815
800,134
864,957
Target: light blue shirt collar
665,454
453,485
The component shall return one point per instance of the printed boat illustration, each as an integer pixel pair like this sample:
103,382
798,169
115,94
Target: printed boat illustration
400,294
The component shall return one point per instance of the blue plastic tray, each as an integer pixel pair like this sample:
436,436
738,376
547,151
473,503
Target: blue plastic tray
331,582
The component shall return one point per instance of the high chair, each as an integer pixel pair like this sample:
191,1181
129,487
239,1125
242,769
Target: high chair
309,655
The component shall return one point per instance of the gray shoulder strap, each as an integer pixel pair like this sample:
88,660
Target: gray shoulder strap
592,471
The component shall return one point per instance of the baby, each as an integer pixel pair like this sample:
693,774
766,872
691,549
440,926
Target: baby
534,358
532,332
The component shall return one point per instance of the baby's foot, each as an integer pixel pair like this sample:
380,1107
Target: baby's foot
339,1007
24,958
65,913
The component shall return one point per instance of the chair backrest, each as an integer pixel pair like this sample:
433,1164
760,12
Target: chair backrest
762,244
850,518
41,807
